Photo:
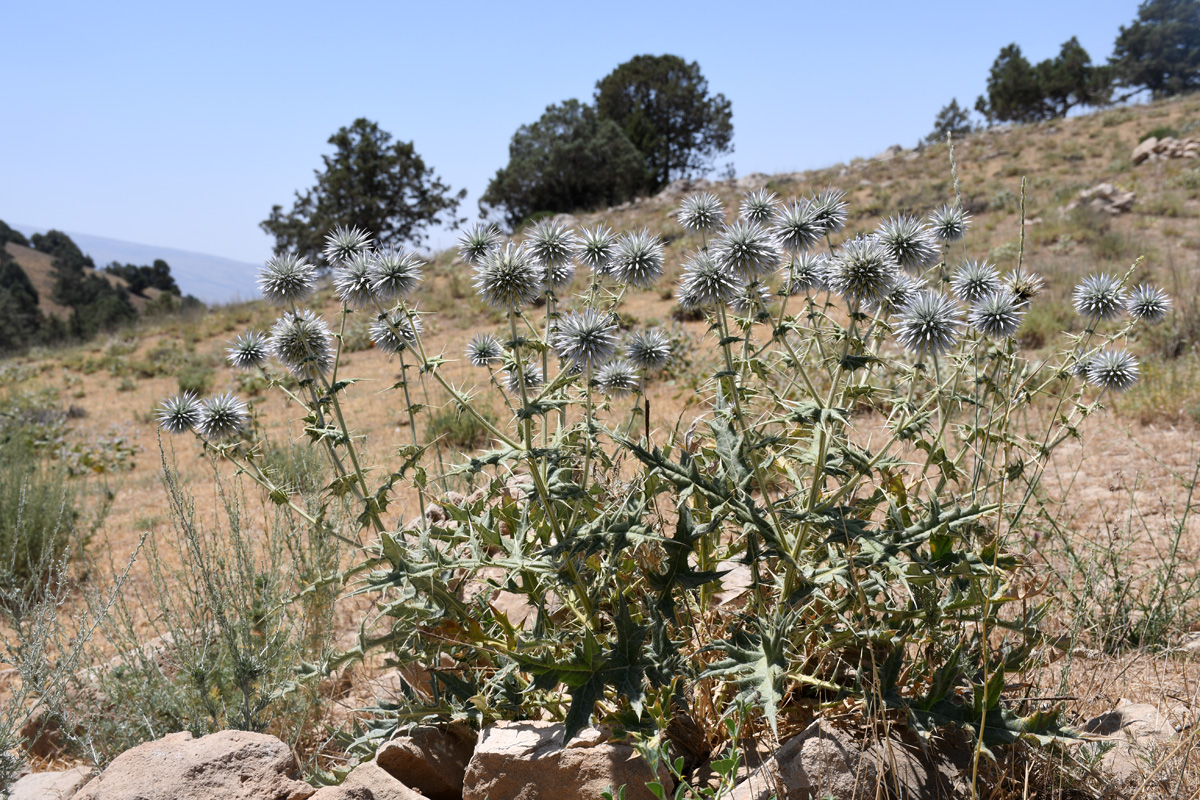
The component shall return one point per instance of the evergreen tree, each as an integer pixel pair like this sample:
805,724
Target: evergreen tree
1159,52
952,119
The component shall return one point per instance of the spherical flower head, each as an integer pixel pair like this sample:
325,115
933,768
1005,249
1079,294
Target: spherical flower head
586,337
903,292
863,270
908,241
797,227
949,223
531,374
343,243
617,378
1080,364
751,299
997,315
975,280
701,212
221,417
805,273
638,260
830,209
353,282
287,280
179,413
759,206
706,282
508,278
929,324
747,250
302,343
1100,297
552,245
395,274
484,349
1112,369
394,331
1148,303
1024,284
649,350
250,349
476,242
596,248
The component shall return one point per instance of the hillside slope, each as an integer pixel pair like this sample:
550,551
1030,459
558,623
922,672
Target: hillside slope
40,269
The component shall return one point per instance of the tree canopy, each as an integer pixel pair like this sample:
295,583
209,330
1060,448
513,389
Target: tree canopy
952,119
663,106
140,278
569,159
369,182
1160,50
1018,91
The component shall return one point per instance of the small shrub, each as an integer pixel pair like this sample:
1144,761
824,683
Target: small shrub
460,429
37,520
196,379
1161,132
297,467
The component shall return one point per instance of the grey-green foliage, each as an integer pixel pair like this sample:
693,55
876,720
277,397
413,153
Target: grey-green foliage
1160,51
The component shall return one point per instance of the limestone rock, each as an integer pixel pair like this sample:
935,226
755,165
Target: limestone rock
50,785
1144,150
368,782
821,761
431,760
233,765
527,761
1137,728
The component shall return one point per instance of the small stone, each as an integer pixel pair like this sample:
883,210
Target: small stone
368,782
50,785
822,761
431,760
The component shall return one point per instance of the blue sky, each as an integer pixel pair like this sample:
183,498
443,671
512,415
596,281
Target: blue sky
180,125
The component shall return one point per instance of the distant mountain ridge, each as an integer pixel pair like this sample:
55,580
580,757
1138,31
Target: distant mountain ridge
213,279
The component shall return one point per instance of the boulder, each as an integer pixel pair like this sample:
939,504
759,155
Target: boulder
1137,728
368,782
431,760
821,761
50,785
232,765
1144,150
528,761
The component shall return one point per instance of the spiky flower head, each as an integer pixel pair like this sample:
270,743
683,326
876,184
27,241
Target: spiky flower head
701,212
179,413
508,277
531,374
221,417
352,280
1112,369
705,282
805,272
395,331
476,242
302,343
344,243
638,260
617,378
287,280
903,292
949,223
751,299
249,350
929,324
797,226
975,280
1148,303
1079,365
649,349
596,248
831,210
1024,284
759,206
908,241
586,337
1099,297
747,250
552,245
484,349
395,273
997,315
862,271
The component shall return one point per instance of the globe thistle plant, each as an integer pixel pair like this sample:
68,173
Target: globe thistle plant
750,299
344,243
908,241
747,250
250,349
797,227
759,206
903,292
586,337
395,331
863,271
701,212
287,280
552,245
221,417
929,324
508,278
484,349
1116,370
476,242
997,315
1148,304
532,376
302,343
179,413
353,282
705,282
1100,297
648,350
597,246
805,272
395,274
617,378
830,210
975,280
638,260
949,223
1025,285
